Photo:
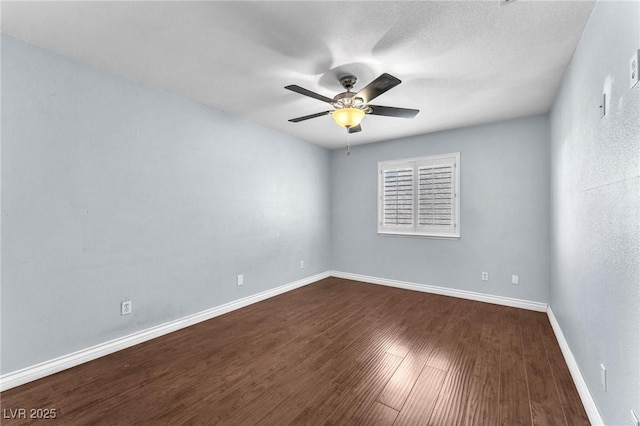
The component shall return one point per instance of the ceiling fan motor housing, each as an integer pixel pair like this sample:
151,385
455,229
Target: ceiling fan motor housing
349,100
348,81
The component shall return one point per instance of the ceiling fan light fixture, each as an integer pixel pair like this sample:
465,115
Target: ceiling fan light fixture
348,117
350,108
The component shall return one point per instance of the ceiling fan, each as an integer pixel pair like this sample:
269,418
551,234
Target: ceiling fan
351,107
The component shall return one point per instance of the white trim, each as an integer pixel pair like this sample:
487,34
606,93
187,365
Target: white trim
463,294
587,400
34,372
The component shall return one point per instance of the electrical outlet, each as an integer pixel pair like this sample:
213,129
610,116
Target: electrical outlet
633,69
603,377
485,276
301,264
240,280
515,279
125,307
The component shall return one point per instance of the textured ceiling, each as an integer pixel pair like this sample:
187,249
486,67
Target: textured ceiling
460,62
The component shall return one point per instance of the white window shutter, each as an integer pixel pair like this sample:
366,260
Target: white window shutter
420,196
397,197
436,198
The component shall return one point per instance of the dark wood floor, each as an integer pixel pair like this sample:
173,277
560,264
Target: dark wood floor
334,352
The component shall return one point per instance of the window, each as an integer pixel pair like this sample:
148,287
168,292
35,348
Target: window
420,196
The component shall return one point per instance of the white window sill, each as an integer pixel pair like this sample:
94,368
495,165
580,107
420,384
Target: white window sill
412,234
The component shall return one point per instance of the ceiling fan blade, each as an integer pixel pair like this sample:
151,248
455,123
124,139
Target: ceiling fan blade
354,129
307,117
393,111
303,91
377,87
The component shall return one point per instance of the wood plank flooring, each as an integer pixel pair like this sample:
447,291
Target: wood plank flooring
334,352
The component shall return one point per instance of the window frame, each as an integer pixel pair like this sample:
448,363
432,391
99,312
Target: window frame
415,163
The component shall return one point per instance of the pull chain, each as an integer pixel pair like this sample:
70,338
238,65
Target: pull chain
348,144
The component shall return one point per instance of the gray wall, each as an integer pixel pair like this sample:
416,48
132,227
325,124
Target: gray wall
112,190
595,291
504,205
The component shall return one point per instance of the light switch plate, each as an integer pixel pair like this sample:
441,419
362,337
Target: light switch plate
633,69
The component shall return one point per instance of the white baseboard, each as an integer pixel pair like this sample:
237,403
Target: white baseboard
28,374
587,400
463,294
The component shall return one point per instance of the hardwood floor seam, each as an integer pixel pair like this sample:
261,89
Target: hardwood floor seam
525,371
